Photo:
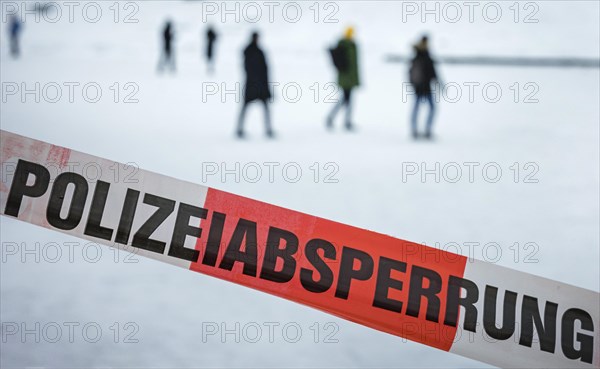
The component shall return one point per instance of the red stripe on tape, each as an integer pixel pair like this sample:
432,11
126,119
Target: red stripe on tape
234,212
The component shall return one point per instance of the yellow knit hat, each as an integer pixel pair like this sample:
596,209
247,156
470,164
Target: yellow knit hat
349,32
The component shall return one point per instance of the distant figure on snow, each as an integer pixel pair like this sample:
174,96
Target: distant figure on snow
211,37
257,84
14,31
422,73
345,59
167,58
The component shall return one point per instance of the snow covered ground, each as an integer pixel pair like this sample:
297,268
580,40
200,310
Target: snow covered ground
547,223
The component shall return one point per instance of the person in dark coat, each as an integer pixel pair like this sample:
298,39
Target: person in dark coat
167,58
348,77
422,73
14,30
211,37
257,84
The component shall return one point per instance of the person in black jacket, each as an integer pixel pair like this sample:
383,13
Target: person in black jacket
211,37
422,73
14,30
257,83
167,58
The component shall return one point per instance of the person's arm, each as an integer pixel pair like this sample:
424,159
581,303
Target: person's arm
436,77
433,72
264,62
356,64
246,62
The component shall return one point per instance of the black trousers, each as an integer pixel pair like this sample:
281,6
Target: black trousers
345,102
240,127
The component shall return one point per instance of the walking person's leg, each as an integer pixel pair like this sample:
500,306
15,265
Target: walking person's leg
240,127
333,112
210,68
161,61
267,118
430,116
415,115
14,46
348,103
171,60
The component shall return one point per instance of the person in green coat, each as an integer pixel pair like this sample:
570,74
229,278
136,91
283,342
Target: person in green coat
348,77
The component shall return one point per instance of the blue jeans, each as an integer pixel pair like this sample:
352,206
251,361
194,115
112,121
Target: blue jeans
423,98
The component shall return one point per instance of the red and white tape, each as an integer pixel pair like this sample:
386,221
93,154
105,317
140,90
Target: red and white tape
475,309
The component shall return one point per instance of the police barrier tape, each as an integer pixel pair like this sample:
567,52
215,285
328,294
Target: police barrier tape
478,310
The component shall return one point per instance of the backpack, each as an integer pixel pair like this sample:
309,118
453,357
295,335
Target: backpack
417,72
339,58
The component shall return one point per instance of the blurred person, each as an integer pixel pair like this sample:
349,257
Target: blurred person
14,32
345,59
421,74
211,38
257,84
167,59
